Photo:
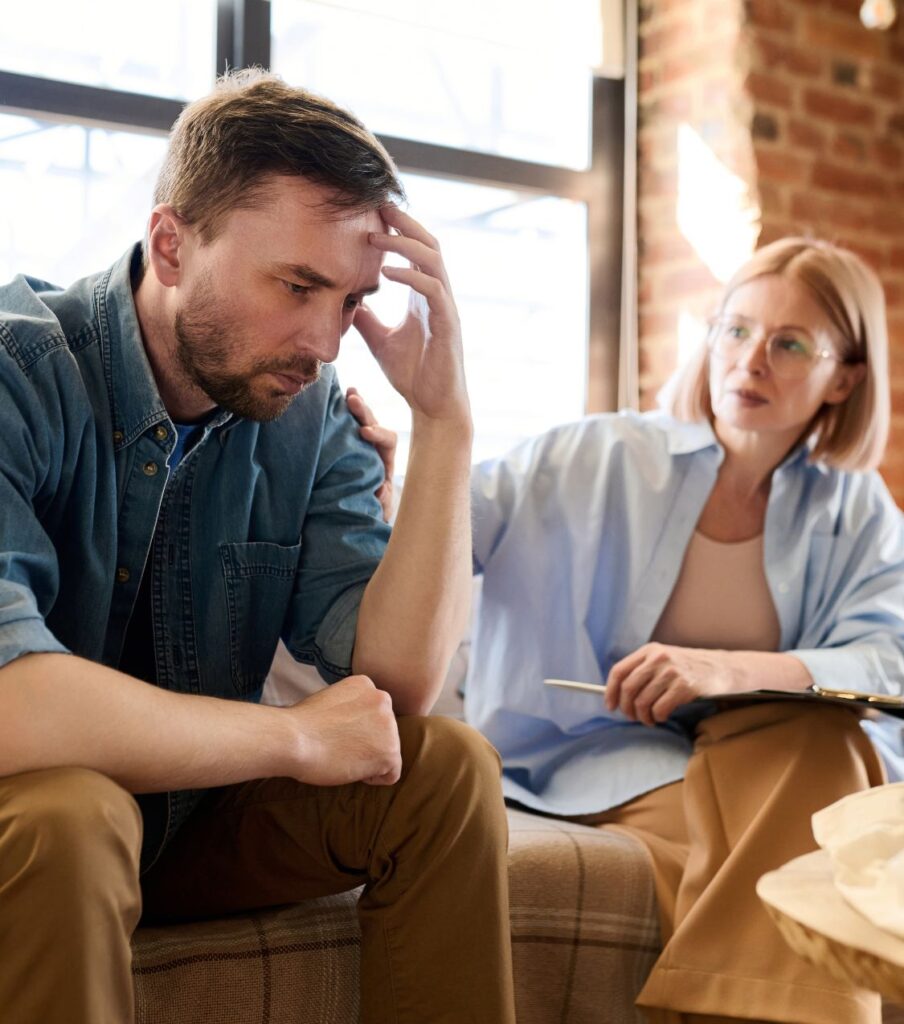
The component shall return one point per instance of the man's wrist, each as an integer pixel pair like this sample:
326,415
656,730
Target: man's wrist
281,744
452,432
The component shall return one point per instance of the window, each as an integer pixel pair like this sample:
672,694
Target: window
510,150
462,74
73,197
518,266
161,49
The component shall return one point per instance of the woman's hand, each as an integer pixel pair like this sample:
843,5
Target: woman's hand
385,442
656,679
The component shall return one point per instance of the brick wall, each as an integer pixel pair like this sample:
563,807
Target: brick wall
768,118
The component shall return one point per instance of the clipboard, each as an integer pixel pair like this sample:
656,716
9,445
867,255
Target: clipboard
855,699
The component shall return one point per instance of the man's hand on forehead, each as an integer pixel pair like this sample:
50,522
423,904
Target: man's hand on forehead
421,356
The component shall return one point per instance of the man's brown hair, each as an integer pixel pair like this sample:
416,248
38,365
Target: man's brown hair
224,147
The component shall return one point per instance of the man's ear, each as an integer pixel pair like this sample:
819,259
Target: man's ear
847,377
165,244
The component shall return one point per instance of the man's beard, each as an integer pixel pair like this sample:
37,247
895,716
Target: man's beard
204,350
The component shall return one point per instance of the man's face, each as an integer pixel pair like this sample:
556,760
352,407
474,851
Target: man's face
266,302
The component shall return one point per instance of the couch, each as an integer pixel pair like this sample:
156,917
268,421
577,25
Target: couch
584,933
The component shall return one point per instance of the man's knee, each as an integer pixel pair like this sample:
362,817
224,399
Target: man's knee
449,746
67,821
452,773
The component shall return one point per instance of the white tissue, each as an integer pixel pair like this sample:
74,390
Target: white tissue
863,834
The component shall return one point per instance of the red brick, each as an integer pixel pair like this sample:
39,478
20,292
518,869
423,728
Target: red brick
719,95
668,249
685,283
671,38
825,214
774,198
656,361
652,324
655,182
647,80
894,296
775,55
843,179
773,230
719,16
886,83
869,253
716,52
806,135
838,109
849,147
779,165
772,14
896,258
657,148
769,89
675,105
888,219
887,153
844,35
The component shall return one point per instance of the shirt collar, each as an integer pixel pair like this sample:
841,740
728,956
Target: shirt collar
686,438
134,399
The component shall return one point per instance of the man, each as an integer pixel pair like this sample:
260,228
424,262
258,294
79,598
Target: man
180,485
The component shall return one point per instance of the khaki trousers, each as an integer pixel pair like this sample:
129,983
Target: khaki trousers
757,774
431,851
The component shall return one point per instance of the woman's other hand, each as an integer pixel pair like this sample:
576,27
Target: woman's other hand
383,439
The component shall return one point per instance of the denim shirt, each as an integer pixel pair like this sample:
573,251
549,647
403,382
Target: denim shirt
580,535
264,530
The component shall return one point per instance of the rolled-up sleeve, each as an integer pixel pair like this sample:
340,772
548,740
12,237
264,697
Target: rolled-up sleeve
855,639
29,572
343,540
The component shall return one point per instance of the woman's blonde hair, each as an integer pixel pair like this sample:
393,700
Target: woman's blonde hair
852,434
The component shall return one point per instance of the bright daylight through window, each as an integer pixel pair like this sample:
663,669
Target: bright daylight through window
487,80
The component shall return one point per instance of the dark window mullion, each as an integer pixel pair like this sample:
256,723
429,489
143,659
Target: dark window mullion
243,34
89,104
488,169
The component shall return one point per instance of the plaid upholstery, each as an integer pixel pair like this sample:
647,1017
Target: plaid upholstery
583,928
584,935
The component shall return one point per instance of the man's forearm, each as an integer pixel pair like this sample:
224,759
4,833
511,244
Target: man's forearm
59,710
415,608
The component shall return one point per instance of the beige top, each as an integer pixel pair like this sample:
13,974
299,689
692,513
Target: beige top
721,599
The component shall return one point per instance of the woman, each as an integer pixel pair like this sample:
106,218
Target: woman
735,541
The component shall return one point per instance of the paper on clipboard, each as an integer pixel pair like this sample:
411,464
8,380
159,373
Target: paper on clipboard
886,703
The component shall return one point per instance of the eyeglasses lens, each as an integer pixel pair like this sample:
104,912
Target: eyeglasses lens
790,353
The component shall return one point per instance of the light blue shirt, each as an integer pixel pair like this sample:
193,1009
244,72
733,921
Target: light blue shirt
580,535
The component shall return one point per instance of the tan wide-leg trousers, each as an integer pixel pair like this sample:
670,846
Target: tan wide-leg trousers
431,851
757,774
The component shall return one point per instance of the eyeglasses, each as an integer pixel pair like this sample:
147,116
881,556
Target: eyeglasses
791,352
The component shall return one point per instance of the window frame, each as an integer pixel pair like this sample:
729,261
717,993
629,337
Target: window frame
243,40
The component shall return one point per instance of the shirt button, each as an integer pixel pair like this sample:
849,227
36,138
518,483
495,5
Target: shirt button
122,575
161,433
150,468
783,588
118,436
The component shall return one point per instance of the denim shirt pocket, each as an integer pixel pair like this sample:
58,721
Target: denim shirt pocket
259,578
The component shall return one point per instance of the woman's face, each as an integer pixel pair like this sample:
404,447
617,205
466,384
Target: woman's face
746,393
